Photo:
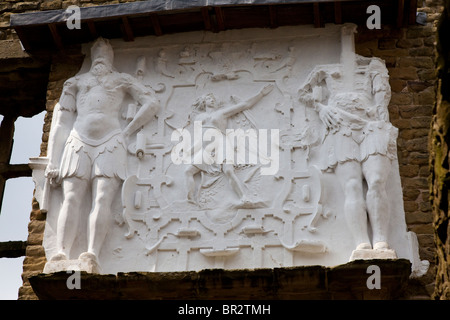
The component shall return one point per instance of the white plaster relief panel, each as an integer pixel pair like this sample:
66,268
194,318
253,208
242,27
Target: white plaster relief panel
243,149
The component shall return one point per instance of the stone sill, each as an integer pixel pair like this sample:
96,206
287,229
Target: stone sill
347,281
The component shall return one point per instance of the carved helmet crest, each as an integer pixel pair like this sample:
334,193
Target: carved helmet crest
102,49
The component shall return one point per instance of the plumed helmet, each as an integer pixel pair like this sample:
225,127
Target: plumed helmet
102,49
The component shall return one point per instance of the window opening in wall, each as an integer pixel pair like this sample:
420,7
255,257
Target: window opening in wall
16,205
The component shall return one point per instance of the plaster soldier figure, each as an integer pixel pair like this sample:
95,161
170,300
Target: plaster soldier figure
88,147
360,143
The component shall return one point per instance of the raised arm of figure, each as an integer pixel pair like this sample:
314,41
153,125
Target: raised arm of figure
149,105
232,110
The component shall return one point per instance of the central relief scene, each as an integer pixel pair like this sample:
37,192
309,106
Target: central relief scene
244,149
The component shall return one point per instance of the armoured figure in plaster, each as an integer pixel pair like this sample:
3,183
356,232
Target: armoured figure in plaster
88,147
360,142
212,116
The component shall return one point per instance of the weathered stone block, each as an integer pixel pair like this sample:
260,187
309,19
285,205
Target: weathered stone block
5,6
424,51
419,217
51,5
404,73
427,75
409,170
421,123
410,193
417,86
25,6
419,32
35,251
412,111
386,44
397,85
426,228
410,206
418,144
425,97
411,133
34,264
409,43
418,62
401,98
418,158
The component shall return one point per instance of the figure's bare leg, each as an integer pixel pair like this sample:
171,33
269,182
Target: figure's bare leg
74,190
189,174
350,176
235,183
104,190
376,170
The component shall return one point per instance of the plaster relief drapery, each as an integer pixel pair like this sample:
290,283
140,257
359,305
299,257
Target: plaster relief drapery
257,148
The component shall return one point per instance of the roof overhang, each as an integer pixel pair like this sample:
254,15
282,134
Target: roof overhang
47,30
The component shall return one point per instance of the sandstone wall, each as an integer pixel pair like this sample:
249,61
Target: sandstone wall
410,55
439,160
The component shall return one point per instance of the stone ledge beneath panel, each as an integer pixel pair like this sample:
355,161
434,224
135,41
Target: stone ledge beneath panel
347,281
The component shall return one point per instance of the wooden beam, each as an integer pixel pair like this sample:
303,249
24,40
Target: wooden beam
23,38
318,21
156,25
6,142
56,37
338,12
127,30
10,171
400,13
412,12
206,18
7,128
92,29
2,191
273,16
12,249
220,19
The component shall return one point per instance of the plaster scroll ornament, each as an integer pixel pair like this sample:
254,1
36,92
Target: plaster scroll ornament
88,150
361,144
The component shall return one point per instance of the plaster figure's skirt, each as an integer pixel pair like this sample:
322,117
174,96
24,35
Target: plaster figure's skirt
86,158
347,144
